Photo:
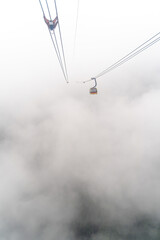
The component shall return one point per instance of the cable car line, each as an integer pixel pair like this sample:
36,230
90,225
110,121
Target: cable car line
48,10
76,27
59,47
132,52
59,59
41,7
129,56
51,27
127,59
61,42
56,43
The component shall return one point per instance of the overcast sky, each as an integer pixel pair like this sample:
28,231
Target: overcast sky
75,166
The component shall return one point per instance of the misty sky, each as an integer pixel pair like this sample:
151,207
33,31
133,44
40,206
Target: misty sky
75,166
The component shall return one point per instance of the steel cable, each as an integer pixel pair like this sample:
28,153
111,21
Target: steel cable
76,26
129,56
60,59
57,53
61,41
41,7
48,10
55,44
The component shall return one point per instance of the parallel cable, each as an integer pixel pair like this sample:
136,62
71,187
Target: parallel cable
129,56
61,41
57,54
48,10
41,7
55,44
77,17
60,59
127,59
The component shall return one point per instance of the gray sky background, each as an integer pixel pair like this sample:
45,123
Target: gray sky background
69,160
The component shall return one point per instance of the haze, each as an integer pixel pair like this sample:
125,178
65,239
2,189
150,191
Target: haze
75,166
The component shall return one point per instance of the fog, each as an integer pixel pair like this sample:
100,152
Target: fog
75,166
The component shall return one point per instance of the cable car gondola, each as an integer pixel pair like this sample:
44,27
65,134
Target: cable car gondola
93,90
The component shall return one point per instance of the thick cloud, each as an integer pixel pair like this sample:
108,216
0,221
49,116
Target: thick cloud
76,166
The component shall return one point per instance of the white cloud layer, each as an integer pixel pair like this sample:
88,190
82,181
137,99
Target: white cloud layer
75,166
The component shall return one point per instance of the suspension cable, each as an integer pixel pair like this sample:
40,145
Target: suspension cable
61,41
41,7
76,27
129,56
57,54
48,10
60,59
132,52
55,44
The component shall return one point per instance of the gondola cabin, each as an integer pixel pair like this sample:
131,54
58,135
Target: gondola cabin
93,90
